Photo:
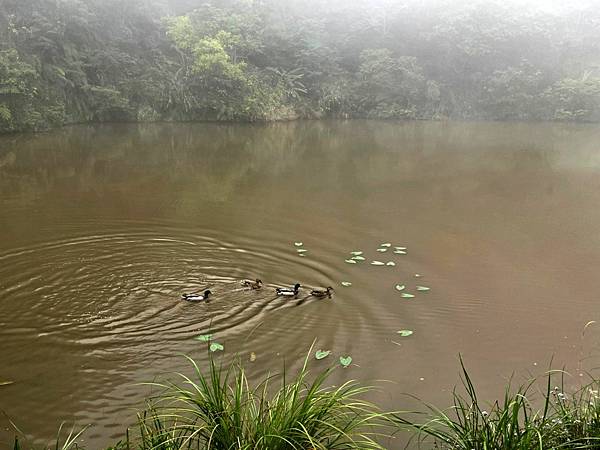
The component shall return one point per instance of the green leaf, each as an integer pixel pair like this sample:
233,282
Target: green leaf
204,337
422,288
298,244
215,346
400,287
382,250
390,263
386,244
350,261
346,283
405,333
358,258
345,361
320,354
356,253
377,263
407,295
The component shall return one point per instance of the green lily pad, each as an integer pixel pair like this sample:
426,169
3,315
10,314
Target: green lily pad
6,383
215,346
204,337
350,261
356,253
399,252
400,287
390,263
377,263
320,354
301,250
345,361
405,333
407,295
422,288
298,244
382,250
386,244
346,283
358,258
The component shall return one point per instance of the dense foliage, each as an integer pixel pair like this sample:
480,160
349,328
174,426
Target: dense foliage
65,61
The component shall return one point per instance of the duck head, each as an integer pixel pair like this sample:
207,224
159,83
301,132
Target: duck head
259,282
296,287
207,293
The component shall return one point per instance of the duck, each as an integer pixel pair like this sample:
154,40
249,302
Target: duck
322,292
257,284
288,292
196,297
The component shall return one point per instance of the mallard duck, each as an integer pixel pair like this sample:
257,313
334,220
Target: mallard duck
196,297
288,292
257,284
322,292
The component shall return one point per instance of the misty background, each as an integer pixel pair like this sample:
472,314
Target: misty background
74,61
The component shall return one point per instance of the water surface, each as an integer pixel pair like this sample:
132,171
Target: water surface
104,226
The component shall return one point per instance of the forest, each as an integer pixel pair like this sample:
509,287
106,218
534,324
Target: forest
80,61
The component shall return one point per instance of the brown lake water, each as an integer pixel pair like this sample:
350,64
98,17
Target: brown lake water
103,227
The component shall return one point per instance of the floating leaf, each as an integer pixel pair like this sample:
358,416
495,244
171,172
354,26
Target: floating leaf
400,287
6,383
407,295
382,250
356,253
405,333
320,354
215,346
386,244
252,356
358,258
377,263
399,252
204,337
422,288
345,361
390,263
298,244
350,261
301,250
346,283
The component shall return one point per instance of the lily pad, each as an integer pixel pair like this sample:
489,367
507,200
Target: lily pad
204,337
298,244
382,250
377,263
6,383
346,283
390,263
215,346
350,261
358,258
386,244
405,333
407,295
400,287
422,288
301,250
399,252
320,354
345,361
356,253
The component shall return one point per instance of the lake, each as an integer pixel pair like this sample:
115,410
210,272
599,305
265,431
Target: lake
103,227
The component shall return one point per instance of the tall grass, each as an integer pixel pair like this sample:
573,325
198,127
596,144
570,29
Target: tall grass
559,421
219,409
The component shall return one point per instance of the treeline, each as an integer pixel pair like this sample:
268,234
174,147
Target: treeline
67,61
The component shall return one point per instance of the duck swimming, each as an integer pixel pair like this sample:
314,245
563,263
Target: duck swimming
288,292
196,297
257,284
322,292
